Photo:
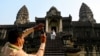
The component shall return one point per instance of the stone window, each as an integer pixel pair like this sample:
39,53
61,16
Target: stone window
77,34
98,34
0,34
87,34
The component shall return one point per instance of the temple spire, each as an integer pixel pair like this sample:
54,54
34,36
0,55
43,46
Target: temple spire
85,14
22,16
53,12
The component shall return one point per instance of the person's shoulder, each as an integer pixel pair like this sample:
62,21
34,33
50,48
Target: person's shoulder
21,53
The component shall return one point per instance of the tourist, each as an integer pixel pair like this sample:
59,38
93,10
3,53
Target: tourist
16,40
53,35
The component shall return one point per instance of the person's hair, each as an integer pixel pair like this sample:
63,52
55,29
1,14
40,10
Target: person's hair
13,35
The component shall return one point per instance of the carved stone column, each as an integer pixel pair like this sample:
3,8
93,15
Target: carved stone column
82,52
46,25
94,51
60,26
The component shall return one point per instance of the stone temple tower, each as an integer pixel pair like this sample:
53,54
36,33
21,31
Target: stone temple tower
85,14
22,16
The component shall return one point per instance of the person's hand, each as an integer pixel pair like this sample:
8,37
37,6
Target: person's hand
39,26
43,38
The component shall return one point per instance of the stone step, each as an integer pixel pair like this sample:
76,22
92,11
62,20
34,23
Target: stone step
54,54
54,47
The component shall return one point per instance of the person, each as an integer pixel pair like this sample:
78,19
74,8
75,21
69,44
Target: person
53,35
16,40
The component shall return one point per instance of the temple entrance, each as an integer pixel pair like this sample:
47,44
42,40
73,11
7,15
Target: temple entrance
53,28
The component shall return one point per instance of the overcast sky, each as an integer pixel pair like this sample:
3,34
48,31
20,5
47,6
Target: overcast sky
38,8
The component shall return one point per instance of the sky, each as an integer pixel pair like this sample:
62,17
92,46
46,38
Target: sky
39,8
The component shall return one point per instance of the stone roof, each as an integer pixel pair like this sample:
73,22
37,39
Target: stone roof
81,24
30,24
53,8
66,19
97,25
53,12
6,26
39,19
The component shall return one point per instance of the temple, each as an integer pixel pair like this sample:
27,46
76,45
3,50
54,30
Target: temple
73,38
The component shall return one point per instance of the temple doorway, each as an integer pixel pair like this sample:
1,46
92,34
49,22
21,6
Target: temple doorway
53,28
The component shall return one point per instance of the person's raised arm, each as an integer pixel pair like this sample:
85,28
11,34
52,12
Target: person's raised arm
27,31
42,46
